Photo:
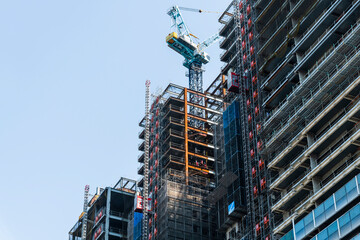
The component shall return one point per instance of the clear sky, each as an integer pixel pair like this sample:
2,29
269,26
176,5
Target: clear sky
72,76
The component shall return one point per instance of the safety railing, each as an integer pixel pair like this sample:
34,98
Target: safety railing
228,50
332,48
265,9
328,78
142,143
331,149
339,170
140,167
311,116
227,38
317,20
352,29
141,132
172,120
174,146
175,107
118,231
117,214
140,155
273,23
223,27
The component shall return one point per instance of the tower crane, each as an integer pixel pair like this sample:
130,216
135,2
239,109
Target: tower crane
181,41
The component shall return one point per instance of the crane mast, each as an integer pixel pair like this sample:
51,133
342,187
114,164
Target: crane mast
194,54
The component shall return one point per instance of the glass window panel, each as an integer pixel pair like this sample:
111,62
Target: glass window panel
355,211
309,223
288,236
231,111
319,214
344,224
225,119
340,193
322,235
340,197
308,219
355,216
299,229
329,207
333,231
350,185
237,111
351,189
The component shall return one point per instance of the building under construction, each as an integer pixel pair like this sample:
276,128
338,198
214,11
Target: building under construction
271,150
181,162
107,213
292,69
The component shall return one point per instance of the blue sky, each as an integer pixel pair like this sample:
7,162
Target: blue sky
72,76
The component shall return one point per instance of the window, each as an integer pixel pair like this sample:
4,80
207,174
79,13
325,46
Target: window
345,224
326,210
309,223
319,214
299,229
351,189
355,216
323,235
340,197
288,236
333,233
329,207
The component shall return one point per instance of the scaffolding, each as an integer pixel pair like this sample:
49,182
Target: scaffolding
309,92
184,209
181,147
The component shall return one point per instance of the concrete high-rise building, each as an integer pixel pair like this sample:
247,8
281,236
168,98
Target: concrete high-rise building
292,69
181,162
108,213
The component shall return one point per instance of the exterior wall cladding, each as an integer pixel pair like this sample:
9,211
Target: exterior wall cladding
292,69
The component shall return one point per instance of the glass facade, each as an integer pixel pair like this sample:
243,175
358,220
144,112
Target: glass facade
324,211
233,158
289,235
137,226
342,226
